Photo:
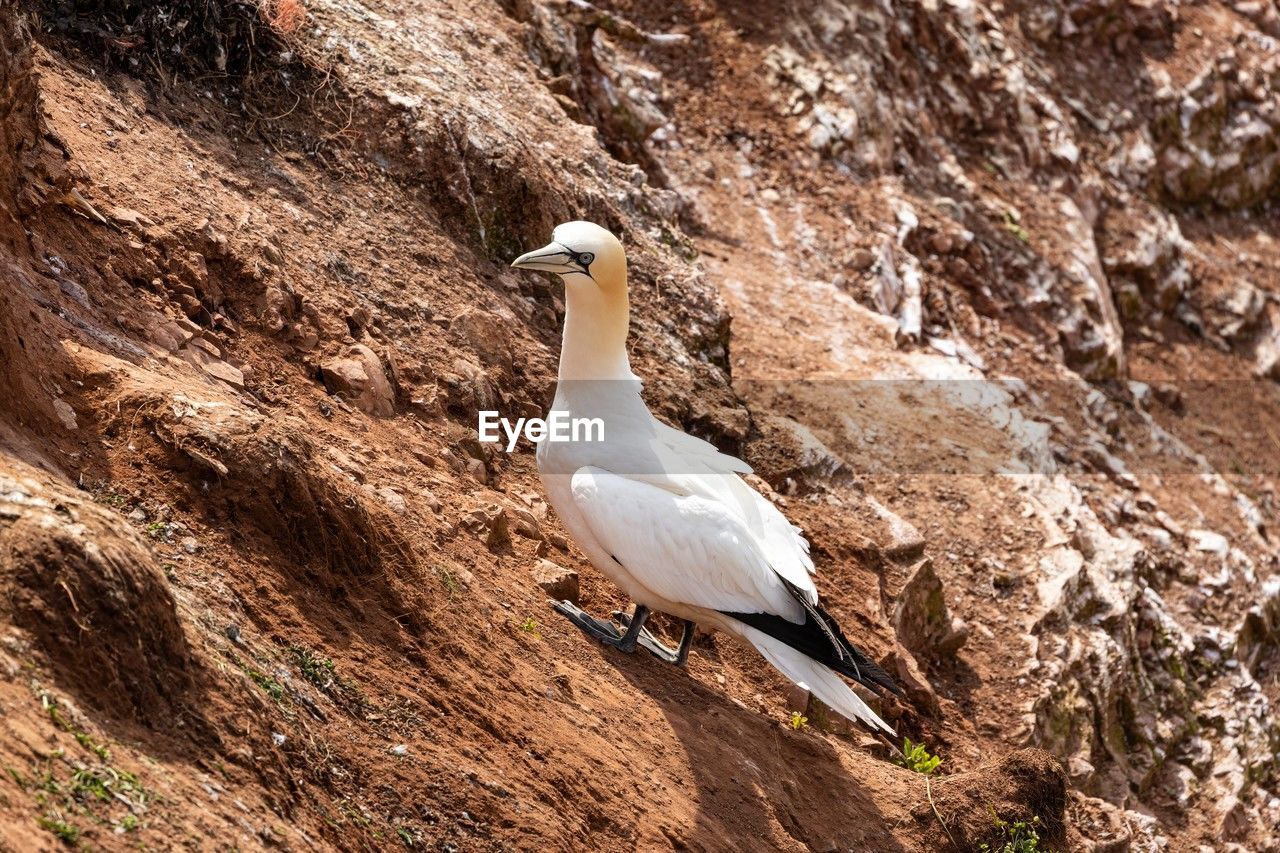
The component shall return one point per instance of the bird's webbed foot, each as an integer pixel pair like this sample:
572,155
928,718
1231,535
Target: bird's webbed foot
677,657
599,629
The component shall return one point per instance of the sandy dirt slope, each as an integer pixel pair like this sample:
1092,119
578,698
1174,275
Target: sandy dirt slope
265,589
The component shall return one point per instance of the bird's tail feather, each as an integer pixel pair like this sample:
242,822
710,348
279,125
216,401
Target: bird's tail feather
819,680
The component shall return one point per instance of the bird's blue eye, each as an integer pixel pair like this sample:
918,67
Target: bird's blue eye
585,258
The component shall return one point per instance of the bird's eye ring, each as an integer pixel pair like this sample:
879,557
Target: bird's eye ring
585,258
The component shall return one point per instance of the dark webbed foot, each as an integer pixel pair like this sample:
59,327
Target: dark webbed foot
677,657
605,632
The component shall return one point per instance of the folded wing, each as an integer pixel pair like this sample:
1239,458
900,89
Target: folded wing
683,546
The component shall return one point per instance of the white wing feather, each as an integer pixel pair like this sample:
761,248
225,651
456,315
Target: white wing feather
784,544
684,547
819,680
705,452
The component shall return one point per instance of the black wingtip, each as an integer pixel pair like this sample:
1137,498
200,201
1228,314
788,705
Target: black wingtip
821,639
872,670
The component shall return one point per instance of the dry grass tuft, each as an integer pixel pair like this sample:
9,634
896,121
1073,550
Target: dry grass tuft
286,17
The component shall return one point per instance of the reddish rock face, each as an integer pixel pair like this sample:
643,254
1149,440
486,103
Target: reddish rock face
254,288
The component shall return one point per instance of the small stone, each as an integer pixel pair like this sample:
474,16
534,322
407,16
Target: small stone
220,321
304,338
1210,542
490,523
65,413
1079,769
905,542
920,617
170,335
393,499
809,464
1103,460
400,750
127,216
526,524
189,305
911,678
1235,818
359,377
278,739
1166,521
874,745
1243,306
431,500
954,639
862,259
205,344
941,243
226,373
189,544
536,504
556,581
1180,782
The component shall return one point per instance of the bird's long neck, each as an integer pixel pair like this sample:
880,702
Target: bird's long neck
596,321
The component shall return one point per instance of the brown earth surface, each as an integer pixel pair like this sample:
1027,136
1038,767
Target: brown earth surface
265,589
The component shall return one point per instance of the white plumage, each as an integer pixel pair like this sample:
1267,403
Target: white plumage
666,516
683,546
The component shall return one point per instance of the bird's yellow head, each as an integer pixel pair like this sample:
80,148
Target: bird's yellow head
596,315
583,254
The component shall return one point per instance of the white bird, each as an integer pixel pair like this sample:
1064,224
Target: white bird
666,516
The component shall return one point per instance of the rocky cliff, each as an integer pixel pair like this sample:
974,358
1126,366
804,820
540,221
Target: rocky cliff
985,293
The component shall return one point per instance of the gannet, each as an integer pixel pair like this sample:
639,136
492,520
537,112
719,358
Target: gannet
666,516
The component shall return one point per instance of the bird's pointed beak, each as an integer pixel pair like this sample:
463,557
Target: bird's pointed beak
550,258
